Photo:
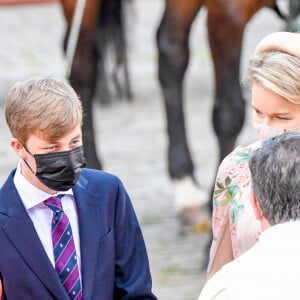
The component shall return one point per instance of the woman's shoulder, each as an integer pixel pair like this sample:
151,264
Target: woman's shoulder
241,154
234,167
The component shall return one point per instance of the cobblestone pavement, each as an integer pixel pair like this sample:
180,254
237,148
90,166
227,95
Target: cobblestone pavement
131,136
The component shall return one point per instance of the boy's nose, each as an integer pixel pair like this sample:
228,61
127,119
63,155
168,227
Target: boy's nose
63,148
267,121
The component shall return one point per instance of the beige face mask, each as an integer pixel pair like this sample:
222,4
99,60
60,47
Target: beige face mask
266,132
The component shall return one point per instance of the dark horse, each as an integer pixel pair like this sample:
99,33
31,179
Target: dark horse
226,21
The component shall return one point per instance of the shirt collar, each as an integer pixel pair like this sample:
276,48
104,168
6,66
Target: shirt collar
30,194
287,229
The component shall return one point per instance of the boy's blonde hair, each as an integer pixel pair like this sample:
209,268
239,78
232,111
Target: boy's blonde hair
46,106
277,71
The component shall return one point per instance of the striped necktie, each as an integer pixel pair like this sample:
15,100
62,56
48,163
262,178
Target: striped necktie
65,256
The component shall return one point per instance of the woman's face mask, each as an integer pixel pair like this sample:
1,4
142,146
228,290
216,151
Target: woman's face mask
266,132
59,171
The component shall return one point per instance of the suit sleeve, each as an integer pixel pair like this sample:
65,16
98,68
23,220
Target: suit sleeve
132,278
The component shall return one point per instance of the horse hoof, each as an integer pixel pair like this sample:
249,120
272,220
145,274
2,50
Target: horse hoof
190,205
195,219
189,194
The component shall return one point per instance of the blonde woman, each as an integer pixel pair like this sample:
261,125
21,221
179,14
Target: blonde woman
274,75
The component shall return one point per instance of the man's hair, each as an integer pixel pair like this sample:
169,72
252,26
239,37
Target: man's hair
46,106
275,171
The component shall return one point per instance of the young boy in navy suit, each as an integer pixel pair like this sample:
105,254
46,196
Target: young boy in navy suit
66,232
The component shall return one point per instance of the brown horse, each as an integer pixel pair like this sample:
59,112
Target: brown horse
226,22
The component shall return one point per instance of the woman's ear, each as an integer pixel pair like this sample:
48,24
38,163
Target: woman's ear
256,207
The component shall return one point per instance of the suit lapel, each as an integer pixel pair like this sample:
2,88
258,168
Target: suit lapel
89,221
21,233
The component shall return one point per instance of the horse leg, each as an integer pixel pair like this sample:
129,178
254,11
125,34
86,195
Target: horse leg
112,45
83,75
226,24
84,80
172,42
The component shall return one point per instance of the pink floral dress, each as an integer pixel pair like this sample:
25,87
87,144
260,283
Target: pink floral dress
231,203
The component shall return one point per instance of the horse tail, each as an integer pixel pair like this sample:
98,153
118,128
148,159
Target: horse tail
113,57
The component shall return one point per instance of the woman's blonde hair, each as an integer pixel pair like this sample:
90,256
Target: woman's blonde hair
277,71
46,106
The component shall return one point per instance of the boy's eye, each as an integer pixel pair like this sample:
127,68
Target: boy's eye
282,118
75,142
49,148
257,111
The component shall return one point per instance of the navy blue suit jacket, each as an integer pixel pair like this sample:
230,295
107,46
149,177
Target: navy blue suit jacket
114,261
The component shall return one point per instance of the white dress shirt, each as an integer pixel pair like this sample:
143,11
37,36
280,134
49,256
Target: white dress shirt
41,215
269,270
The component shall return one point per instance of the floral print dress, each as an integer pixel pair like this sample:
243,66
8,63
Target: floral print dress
231,203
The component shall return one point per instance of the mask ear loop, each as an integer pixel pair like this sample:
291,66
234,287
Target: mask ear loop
27,163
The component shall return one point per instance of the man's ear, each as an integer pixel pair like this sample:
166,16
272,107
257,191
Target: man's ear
256,207
18,148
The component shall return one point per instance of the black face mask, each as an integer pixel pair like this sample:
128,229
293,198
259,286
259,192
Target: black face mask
59,171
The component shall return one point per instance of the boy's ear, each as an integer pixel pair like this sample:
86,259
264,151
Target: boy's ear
18,148
256,207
